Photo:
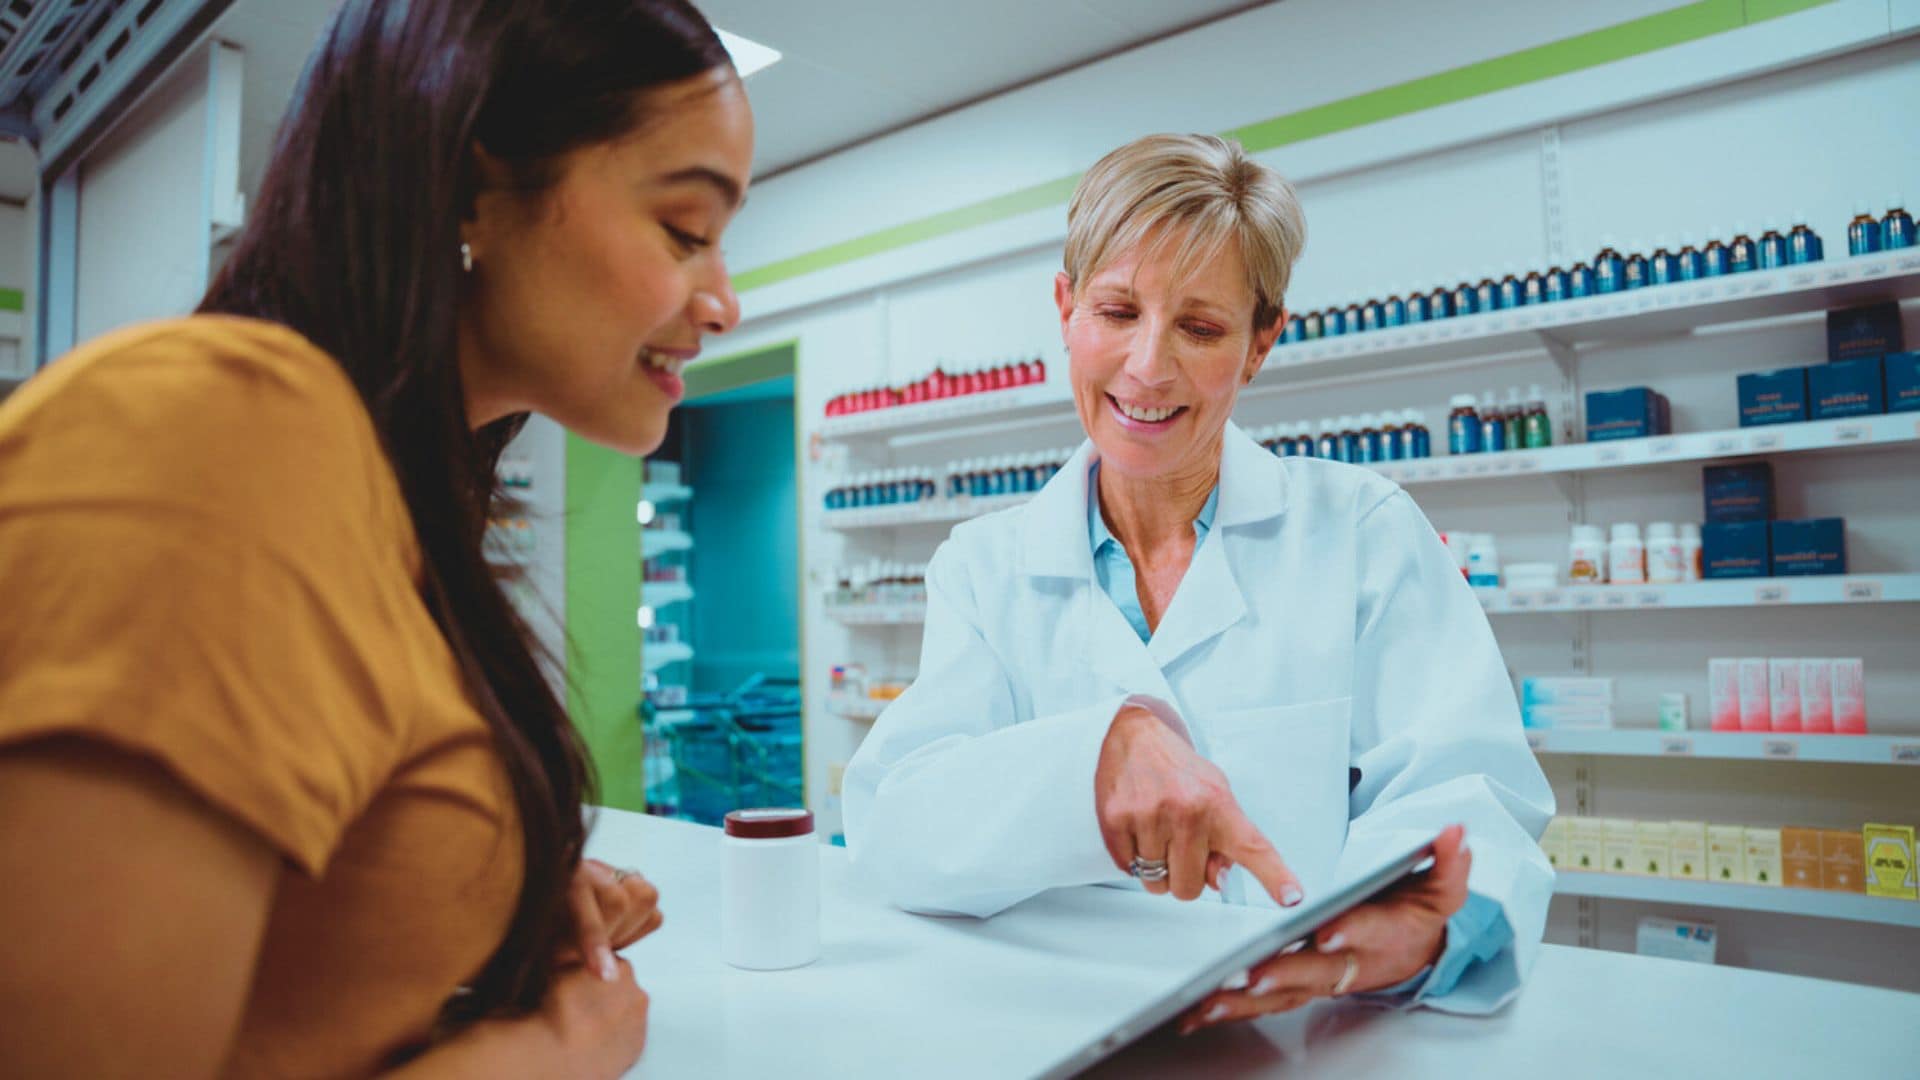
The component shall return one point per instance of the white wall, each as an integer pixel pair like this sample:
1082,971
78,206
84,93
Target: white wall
1773,119
142,232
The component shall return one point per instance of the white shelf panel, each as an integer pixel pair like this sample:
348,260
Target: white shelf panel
1730,592
658,654
1643,314
852,707
661,541
1816,903
1740,746
663,494
1894,429
906,419
877,614
926,511
659,594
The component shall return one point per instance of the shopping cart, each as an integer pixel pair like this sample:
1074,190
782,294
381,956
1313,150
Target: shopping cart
727,751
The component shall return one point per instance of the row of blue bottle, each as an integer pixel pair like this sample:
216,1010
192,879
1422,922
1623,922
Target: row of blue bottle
1611,271
1363,440
889,487
1007,474
1892,232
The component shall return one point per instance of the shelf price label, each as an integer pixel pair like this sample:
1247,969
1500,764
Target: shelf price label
1609,455
1850,433
1617,599
1585,598
1555,600
1650,598
1861,592
1765,441
1905,753
1770,594
1520,601
1724,444
1780,749
1676,746
1529,463
1663,447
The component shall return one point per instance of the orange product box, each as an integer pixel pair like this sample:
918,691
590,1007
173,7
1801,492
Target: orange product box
1843,860
1800,858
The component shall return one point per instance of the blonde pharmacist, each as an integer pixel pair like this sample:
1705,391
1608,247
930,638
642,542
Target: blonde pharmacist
1222,672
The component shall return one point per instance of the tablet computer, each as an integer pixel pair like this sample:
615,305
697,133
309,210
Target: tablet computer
1295,924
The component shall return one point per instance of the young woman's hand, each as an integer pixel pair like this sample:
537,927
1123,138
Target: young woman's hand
612,908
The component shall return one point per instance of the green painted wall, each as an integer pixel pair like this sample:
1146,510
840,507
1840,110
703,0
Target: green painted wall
1677,26
603,600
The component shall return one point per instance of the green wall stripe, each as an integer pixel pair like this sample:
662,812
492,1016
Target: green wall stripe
12,300
741,369
603,601
1578,53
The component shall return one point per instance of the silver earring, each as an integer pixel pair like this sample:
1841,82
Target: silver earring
466,257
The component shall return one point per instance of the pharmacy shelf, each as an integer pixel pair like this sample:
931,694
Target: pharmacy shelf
1817,903
856,707
877,614
1737,746
1728,593
663,494
1643,314
926,511
659,594
1896,429
658,654
661,541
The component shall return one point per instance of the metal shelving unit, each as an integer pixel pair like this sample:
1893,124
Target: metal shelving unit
1731,746
1813,903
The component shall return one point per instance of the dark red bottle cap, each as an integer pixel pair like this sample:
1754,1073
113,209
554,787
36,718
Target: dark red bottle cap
769,823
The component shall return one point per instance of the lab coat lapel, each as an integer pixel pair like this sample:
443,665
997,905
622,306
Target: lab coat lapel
1055,545
1209,600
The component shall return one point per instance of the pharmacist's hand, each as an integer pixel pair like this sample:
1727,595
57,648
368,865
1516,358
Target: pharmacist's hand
598,1025
1157,799
611,910
1389,941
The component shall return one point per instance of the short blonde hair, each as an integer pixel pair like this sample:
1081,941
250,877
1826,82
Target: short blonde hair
1203,182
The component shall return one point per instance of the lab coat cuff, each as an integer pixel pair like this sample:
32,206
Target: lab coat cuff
1167,713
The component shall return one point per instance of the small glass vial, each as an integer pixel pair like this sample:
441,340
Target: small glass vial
1863,233
1609,269
1741,253
1686,262
1393,312
1896,229
1713,257
1803,244
1580,281
1662,267
1416,307
769,890
1439,303
1773,247
1633,271
1463,299
1486,293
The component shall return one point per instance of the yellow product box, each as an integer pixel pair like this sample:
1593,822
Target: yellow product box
1763,856
1843,861
1553,842
1688,857
1726,853
1890,861
1585,840
1800,858
1618,841
1652,848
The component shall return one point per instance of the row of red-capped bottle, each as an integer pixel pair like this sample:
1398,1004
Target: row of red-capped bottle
939,385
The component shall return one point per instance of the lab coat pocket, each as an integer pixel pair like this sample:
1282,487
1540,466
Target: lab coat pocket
1287,765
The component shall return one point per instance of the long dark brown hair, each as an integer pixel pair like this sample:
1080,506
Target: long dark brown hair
354,241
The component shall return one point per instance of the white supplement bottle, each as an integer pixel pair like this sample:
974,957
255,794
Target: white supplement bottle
1626,556
1483,561
1689,551
769,890
1587,556
1663,554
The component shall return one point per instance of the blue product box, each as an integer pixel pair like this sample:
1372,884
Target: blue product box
1735,549
1868,330
1738,492
1902,371
1633,413
1846,388
1811,546
1773,397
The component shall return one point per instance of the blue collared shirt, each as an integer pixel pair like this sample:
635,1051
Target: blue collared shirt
1475,934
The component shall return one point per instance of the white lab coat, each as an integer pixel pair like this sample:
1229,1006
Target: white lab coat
1321,625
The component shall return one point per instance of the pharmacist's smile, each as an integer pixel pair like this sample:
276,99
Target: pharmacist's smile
1139,416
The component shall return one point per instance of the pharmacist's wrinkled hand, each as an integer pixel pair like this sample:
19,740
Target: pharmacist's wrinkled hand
1156,799
611,910
1390,940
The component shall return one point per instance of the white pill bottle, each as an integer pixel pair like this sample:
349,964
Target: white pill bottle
769,890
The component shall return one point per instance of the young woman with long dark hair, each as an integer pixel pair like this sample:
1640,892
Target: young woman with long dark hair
284,787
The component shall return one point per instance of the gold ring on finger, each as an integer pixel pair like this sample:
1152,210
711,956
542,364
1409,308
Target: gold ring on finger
1347,976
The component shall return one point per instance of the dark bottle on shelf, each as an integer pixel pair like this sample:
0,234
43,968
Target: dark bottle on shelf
1896,229
1311,326
1609,269
1741,253
1370,315
1393,312
1863,233
1463,426
1553,285
1633,270
1687,261
1486,294
1421,438
1714,258
1803,244
1506,291
1439,303
1661,265
1533,288
1579,281
1773,247
1351,315
1463,299
1416,307
1327,443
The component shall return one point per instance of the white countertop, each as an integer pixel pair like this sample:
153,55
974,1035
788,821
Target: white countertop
897,995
